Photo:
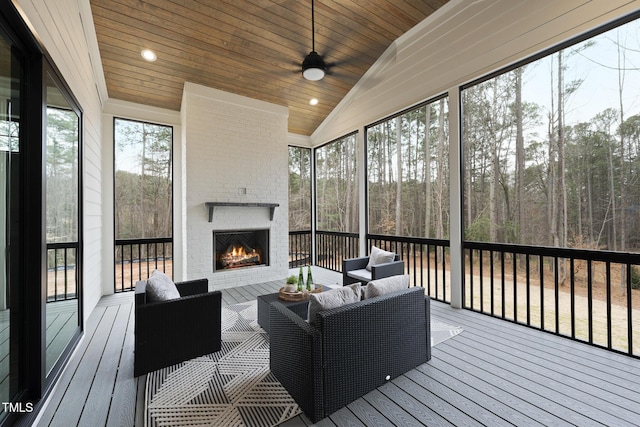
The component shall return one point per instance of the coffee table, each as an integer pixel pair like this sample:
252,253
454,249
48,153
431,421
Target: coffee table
264,301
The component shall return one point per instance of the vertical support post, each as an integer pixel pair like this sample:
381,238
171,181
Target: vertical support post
456,197
362,192
314,205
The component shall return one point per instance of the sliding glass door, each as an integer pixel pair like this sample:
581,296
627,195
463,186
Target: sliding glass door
11,339
40,222
62,222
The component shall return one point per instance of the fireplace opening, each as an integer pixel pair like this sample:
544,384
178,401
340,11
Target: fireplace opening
240,249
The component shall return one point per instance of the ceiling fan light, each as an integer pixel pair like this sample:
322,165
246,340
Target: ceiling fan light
313,67
313,74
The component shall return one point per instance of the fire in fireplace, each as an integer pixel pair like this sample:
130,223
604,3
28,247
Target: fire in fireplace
238,256
240,249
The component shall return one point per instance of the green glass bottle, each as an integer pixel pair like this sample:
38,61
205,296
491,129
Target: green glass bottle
309,279
300,280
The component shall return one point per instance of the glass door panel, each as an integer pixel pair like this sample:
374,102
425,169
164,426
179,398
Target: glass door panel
10,339
62,222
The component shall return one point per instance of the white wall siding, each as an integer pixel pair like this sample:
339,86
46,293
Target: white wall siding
59,26
232,143
462,41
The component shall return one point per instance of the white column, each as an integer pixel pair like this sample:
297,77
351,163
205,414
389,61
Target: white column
314,204
455,199
362,181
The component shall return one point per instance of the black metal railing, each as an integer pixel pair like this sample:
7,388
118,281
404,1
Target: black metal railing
135,259
62,274
334,246
425,260
587,295
299,248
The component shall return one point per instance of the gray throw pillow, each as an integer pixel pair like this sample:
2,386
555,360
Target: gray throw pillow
379,256
375,288
332,299
160,287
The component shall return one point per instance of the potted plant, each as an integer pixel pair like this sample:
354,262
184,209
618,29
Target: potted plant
291,285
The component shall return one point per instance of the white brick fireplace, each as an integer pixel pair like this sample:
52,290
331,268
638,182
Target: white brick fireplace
234,150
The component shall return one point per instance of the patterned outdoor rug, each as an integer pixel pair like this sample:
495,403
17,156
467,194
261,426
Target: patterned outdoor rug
232,387
442,331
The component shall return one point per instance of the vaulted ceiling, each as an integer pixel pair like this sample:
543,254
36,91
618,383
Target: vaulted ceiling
252,48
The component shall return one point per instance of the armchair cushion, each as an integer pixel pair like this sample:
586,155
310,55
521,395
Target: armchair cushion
387,285
362,274
160,287
379,256
332,299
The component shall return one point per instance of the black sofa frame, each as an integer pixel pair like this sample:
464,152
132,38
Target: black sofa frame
170,332
355,348
379,271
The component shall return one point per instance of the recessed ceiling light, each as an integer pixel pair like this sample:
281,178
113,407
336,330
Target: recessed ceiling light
313,101
149,55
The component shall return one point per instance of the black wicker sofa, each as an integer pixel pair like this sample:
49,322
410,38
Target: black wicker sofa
352,350
172,331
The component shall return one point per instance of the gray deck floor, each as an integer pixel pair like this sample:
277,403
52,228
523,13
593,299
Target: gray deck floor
495,373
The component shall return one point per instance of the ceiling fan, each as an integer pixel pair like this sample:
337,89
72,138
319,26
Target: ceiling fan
313,67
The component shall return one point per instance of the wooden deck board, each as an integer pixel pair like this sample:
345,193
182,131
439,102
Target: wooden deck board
559,376
519,388
96,408
416,407
71,407
494,373
57,396
122,410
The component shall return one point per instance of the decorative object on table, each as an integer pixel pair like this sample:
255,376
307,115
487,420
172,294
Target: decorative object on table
300,280
291,284
232,387
284,295
309,279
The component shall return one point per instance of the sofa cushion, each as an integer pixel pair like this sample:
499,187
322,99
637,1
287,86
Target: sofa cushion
363,275
160,287
379,256
332,299
386,285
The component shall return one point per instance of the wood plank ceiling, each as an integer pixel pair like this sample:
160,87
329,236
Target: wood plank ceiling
252,48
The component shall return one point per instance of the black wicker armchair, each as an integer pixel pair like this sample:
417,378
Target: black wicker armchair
354,348
354,270
169,332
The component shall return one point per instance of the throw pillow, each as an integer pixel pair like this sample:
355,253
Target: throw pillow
160,287
375,288
379,256
332,299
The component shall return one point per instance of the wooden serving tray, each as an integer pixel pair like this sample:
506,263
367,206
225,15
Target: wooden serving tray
297,296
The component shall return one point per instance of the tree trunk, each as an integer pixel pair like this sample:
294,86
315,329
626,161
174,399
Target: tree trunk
495,172
520,166
142,182
349,186
623,171
441,177
427,172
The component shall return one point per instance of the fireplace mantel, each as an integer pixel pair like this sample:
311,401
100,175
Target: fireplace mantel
212,205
